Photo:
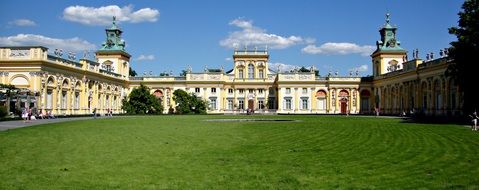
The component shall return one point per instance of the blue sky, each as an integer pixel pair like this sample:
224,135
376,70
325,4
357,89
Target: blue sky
169,35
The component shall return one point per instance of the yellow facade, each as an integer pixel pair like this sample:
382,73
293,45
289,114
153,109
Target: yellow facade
61,86
70,87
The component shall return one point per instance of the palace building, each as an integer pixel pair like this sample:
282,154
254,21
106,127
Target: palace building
65,86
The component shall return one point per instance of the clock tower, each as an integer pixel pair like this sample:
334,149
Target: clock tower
389,55
112,55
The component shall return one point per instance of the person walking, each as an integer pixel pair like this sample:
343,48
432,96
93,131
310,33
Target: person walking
94,113
25,115
474,121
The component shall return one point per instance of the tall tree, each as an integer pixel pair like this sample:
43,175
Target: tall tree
464,51
188,103
140,101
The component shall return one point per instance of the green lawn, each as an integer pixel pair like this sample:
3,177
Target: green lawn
186,152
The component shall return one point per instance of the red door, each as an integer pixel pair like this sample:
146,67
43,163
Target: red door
344,106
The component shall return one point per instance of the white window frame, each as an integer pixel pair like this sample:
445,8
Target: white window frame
288,105
303,105
213,103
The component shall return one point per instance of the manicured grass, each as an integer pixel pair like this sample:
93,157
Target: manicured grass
186,152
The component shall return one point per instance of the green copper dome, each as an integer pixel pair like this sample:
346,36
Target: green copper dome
113,39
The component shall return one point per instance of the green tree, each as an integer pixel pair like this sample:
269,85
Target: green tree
7,92
132,72
188,103
3,111
464,51
140,101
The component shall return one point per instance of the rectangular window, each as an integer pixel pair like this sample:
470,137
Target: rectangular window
213,90
260,91
438,101
230,91
99,100
322,103
240,104
114,102
251,71
107,101
241,91
49,99
288,90
305,90
213,103
261,74
304,104
287,104
251,91
197,90
230,104
260,104
77,100
64,100
240,73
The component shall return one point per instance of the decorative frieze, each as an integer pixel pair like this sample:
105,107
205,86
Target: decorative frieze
304,77
288,77
197,77
214,77
19,53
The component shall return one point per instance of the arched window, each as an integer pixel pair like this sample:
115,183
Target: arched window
261,73
158,94
365,95
343,93
251,71
321,96
424,93
453,93
437,95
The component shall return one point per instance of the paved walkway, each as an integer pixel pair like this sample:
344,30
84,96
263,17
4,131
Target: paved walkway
5,125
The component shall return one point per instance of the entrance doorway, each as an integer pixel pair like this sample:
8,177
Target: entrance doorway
251,104
344,105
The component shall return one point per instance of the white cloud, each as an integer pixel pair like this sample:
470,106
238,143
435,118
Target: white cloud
145,58
342,48
73,44
228,59
362,68
251,35
22,22
282,67
103,15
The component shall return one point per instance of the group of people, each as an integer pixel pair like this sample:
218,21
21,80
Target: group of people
109,113
29,114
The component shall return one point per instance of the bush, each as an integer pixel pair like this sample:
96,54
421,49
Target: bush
3,111
140,101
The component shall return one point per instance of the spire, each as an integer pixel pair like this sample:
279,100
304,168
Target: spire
113,38
389,41
387,18
114,26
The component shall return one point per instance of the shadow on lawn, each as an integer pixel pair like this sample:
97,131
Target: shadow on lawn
458,120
